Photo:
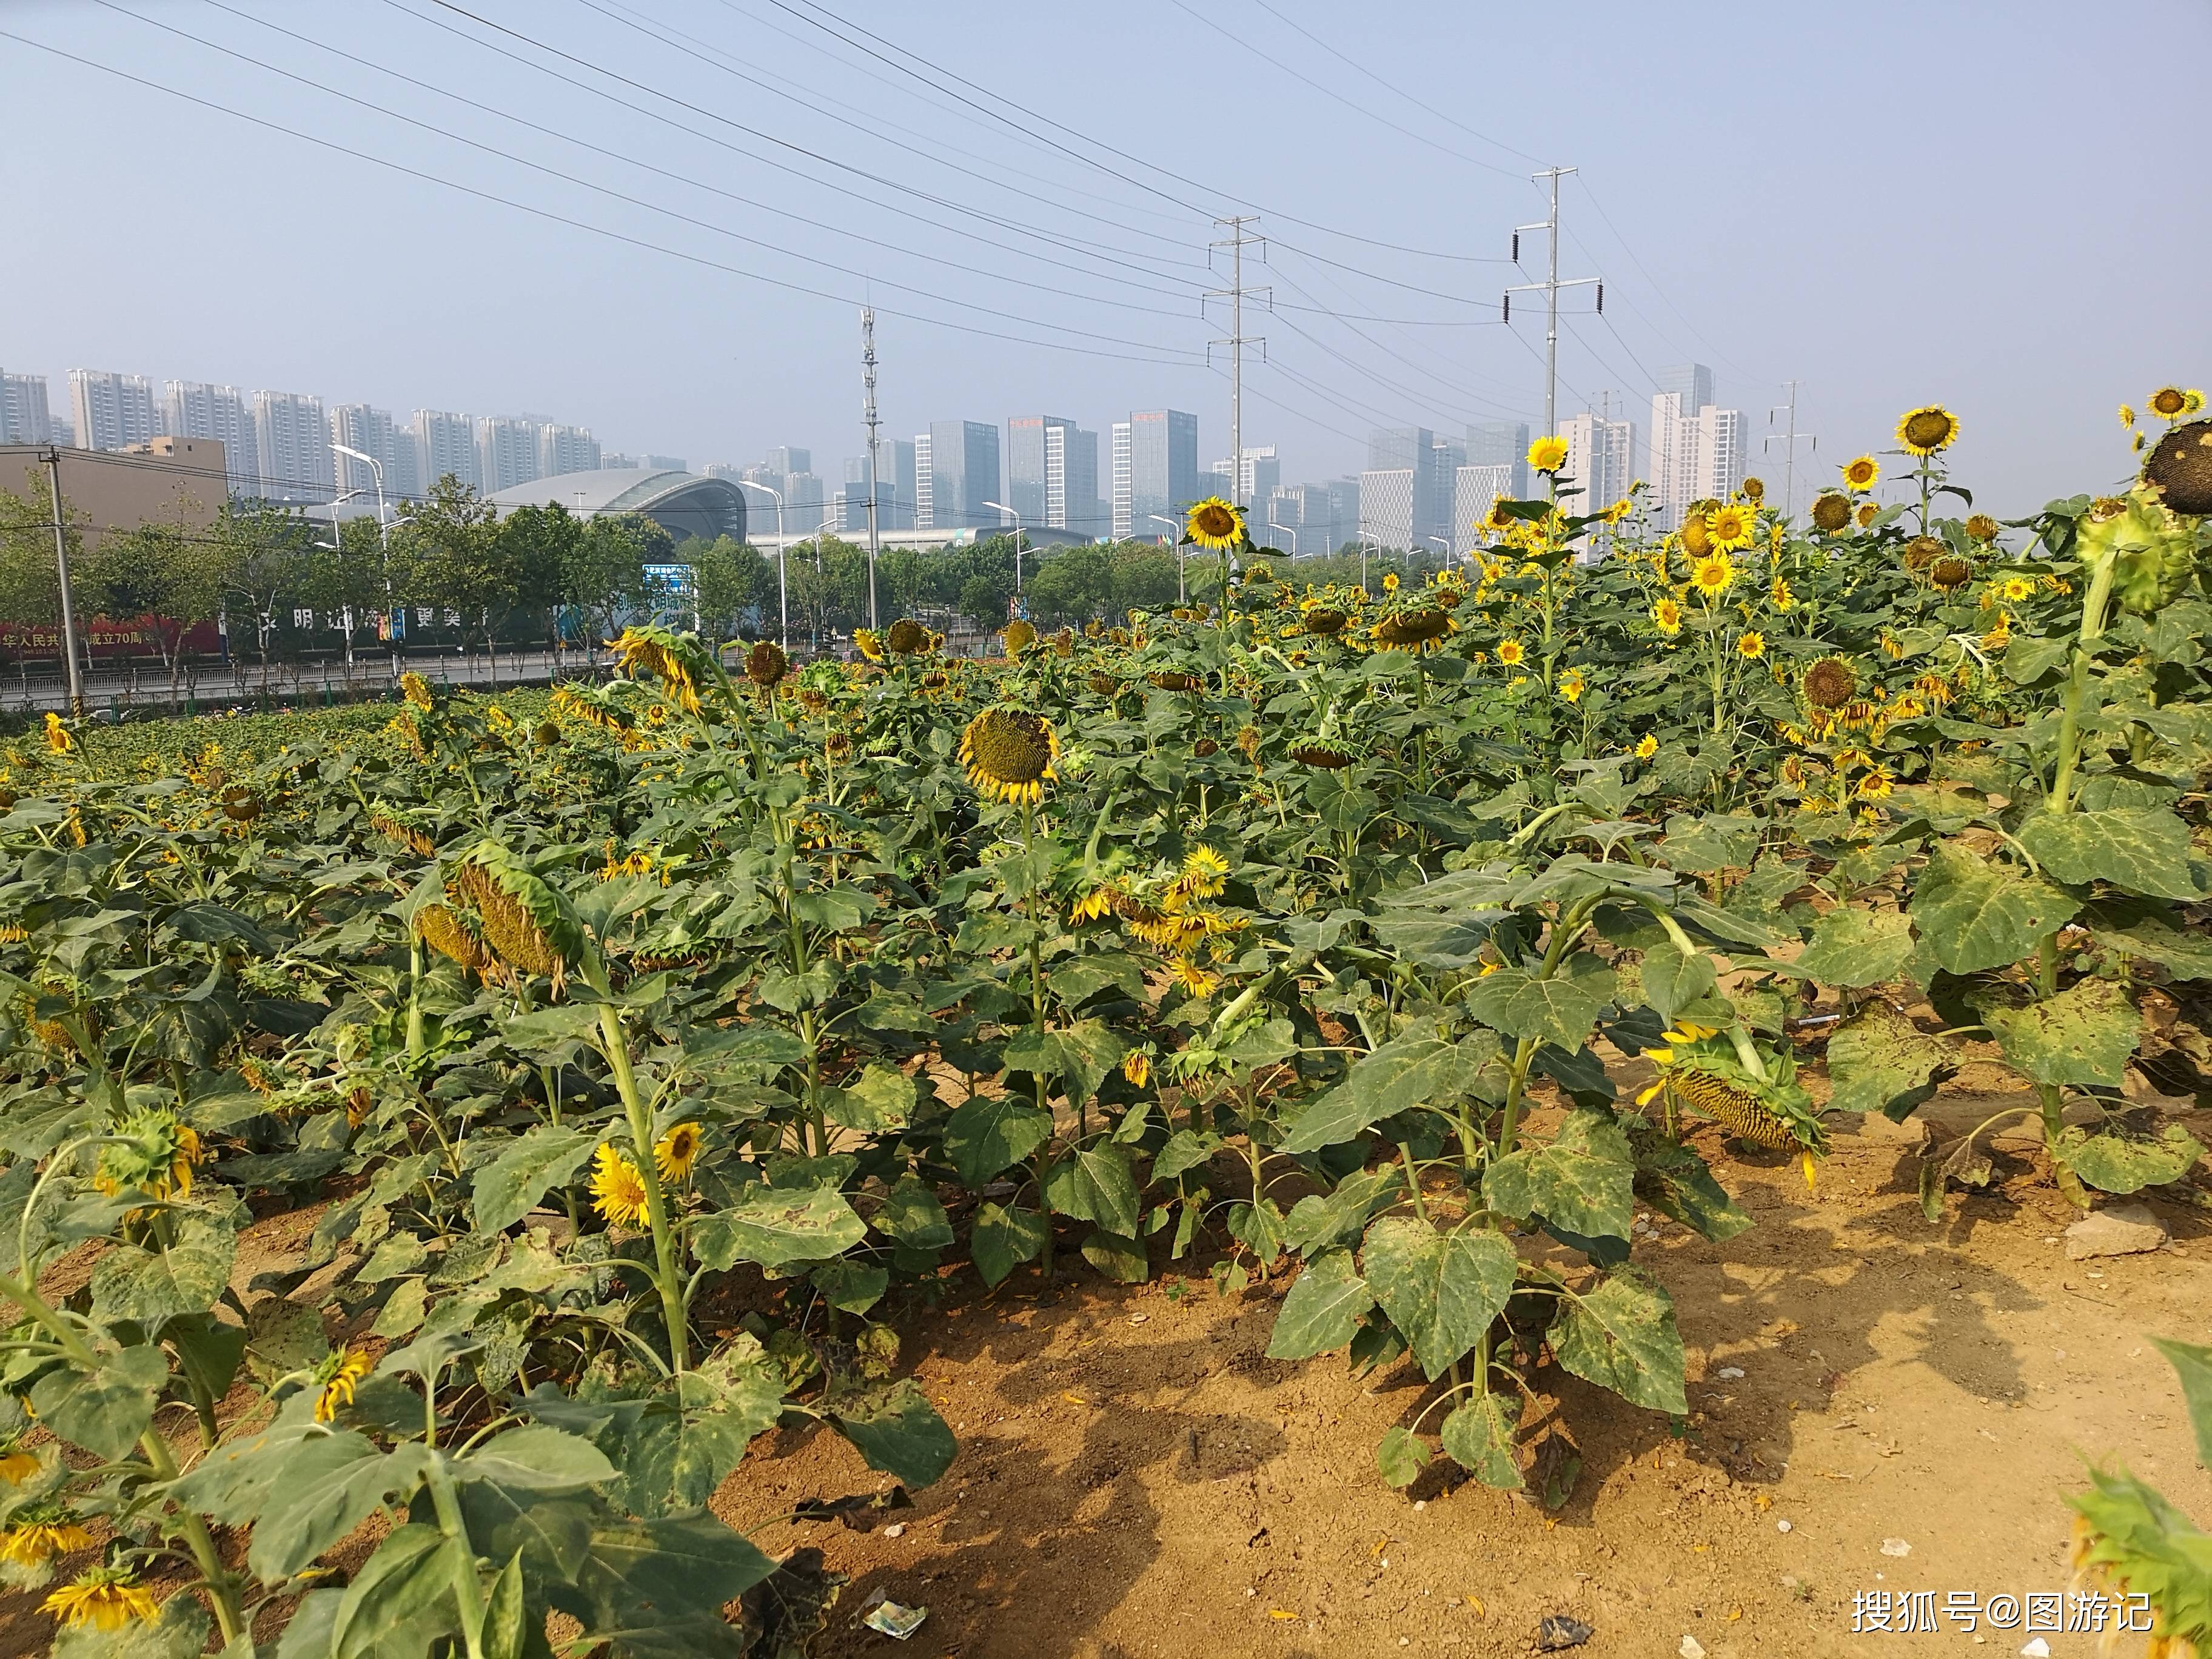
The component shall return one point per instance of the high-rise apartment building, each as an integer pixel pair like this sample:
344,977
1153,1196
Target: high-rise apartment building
194,409
785,458
1446,456
1300,519
566,449
292,436
1389,505
1695,450
374,432
1600,462
24,417
1501,443
1155,470
664,462
963,474
507,452
444,448
848,508
112,411
924,484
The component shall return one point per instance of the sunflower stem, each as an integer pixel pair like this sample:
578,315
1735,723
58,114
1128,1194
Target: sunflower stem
615,1043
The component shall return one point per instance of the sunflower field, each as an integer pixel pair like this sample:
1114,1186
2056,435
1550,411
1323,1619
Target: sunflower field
640,1061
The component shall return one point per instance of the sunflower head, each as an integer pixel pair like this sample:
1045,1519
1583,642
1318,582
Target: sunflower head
1646,746
529,927
1868,513
1831,683
1831,512
447,931
1009,754
1861,475
656,653
2180,469
1511,653
1020,635
1327,754
1730,527
334,1381
1754,490
415,689
1928,429
1414,629
868,643
58,741
545,734
1171,679
1697,535
906,637
1951,573
1214,523
675,1153
1668,614
102,1599
766,664
1713,574
1324,620
618,1188
150,1151
1751,644
1572,684
2169,403
1922,551
38,1532
1548,454
1983,528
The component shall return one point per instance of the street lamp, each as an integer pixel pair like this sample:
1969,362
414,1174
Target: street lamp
782,589
820,530
383,543
1174,528
998,508
1443,543
1288,531
1366,537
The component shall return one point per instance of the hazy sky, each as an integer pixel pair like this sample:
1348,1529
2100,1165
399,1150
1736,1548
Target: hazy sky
1999,207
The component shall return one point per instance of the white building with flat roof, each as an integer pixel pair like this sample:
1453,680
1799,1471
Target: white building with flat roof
294,438
112,411
196,409
24,416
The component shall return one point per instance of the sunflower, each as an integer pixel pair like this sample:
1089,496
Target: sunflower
1731,528
656,651
1415,629
1784,599
1927,429
1831,512
58,740
151,1151
1214,523
1868,513
1983,528
617,1189
1754,489
334,1380
1950,574
1137,1066
675,1151
1205,873
766,664
1646,746
1194,978
2169,403
2017,589
415,689
1831,683
102,1599
1548,454
17,1465
1500,519
2127,415
1701,1070
1712,575
1511,653
38,1534
1572,684
1323,620
1009,754
1697,535
2179,469
1327,753
1922,551
907,638
1860,475
1751,644
1020,635
1667,613
443,929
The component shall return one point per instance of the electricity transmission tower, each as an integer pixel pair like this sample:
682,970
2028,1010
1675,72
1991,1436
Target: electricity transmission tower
1238,241
1549,287
1789,448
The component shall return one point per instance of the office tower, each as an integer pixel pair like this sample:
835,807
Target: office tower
1501,443
1070,479
925,492
1161,470
1600,463
444,448
849,505
963,466
1215,481
507,452
1387,505
1253,481
1446,456
111,410
786,459
293,444
1025,463
1299,517
895,473
1473,489
193,409
1411,450
1344,509
1696,450
567,449
374,432
23,416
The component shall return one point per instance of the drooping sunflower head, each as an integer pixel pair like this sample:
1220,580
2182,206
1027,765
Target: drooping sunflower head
766,664
2180,469
1063,643
334,1381
1214,523
397,825
415,689
1173,679
1204,872
528,926
1922,551
1951,573
1862,474
868,643
1713,574
38,1532
1572,684
1548,454
1009,754
1324,620
1868,513
150,1151
1697,535
102,1599
1831,683
1731,526
1414,629
1831,512
618,1188
1983,528
1754,489
448,932
905,637
1751,644
1500,519
1928,429
662,655
675,1153
58,741
1327,754
1019,637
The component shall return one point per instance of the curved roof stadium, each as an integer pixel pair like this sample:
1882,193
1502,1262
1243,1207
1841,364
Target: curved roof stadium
682,504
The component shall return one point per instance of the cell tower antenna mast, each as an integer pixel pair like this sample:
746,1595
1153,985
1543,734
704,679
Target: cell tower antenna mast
868,416
1549,287
1788,439
1236,242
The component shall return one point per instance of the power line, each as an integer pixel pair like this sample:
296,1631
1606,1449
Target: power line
615,235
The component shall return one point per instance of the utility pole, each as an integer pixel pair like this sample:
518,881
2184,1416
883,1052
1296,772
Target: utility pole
868,414
53,459
1789,447
1550,288
1235,293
